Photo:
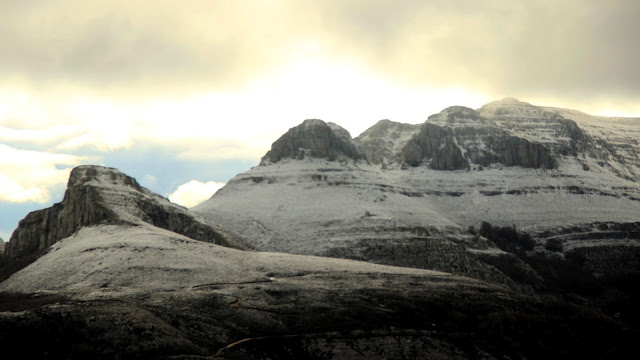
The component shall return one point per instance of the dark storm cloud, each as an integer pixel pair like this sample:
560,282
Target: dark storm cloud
586,48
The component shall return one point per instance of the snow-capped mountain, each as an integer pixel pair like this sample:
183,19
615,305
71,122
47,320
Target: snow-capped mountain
558,175
139,277
520,200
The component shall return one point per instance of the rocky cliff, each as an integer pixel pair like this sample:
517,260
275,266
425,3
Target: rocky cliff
459,137
98,195
313,138
381,143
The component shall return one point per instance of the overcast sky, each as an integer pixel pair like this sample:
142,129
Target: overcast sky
184,95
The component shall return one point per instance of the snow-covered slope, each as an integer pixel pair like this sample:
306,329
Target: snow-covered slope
292,200
300,202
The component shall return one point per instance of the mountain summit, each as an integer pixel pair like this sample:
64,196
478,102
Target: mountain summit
313,138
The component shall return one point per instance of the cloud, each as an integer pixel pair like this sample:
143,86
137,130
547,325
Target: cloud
153,44
31,176
194,192
573,48
573,51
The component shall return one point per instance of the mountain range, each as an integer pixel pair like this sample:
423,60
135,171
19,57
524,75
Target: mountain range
509,231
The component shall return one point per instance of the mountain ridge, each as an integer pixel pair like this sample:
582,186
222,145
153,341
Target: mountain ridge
509,163
507,132
481,247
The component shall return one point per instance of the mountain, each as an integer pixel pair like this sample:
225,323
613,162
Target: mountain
98,195
139,277
544,183
509,231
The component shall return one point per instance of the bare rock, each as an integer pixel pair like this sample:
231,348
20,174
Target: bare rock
437,145
314,138
459,136
383,142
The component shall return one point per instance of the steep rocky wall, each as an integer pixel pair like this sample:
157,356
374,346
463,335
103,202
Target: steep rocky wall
316,137
515,151
81,206
436,144
456,148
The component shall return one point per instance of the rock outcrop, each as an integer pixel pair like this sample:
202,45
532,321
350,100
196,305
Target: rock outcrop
313,138
381,143
436,145
458,137
99,195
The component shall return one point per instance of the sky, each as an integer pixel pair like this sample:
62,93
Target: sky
185,95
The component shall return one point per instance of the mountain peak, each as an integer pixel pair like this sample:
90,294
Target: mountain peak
313,138
511,107
98,195
313,122
97,175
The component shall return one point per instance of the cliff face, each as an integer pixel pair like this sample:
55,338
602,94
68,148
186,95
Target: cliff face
438,146
381,143
313,138
459,137
99,195
81,206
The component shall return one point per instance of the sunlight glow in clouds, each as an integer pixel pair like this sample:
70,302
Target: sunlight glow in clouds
234,123
194,192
